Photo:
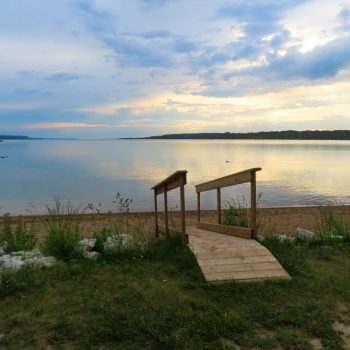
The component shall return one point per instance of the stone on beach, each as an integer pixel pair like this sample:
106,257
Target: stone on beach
305,234
33,258
87,244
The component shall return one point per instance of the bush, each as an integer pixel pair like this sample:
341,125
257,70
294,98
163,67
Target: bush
63,231
19,239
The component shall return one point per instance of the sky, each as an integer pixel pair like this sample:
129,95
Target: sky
120,68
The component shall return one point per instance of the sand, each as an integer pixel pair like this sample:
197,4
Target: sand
281,220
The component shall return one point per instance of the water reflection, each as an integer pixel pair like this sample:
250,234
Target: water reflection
294,172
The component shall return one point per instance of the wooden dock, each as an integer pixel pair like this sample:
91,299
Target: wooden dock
223,252
223,257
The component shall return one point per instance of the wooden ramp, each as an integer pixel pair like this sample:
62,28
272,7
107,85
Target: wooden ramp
223,257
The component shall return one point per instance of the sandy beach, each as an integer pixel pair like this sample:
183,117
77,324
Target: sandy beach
281,220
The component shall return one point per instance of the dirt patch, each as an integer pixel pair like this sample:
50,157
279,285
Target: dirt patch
316,344
342,325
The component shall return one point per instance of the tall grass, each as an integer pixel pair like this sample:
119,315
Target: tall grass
63,231
330,224
21,238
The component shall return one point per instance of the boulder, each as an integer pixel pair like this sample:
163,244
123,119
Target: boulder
92,255
118,241
87,244
11,262
305,234
33,258
2,252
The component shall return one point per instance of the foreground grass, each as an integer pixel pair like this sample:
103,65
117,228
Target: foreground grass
162,302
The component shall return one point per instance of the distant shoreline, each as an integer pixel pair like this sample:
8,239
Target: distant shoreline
262,135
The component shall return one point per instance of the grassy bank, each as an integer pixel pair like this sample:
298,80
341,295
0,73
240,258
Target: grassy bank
160,301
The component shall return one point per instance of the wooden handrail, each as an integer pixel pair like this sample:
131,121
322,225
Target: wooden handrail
176,180
229,180
241,177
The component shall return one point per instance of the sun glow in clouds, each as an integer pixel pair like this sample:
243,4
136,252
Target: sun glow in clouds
173,66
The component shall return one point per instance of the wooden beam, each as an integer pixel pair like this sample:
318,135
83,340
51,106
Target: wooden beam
253,205
229,180
182,204
198,206
156,213
172,182
218,199
228,230
166,209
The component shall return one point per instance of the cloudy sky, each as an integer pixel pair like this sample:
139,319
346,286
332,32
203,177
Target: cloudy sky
113,68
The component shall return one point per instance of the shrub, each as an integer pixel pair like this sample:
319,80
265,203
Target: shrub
63,231
21,238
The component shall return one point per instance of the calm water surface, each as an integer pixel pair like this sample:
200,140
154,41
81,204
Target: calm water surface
294,172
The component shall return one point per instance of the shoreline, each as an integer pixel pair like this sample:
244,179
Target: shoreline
281,220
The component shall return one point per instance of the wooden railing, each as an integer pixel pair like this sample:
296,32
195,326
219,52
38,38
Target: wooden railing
245,176
176,180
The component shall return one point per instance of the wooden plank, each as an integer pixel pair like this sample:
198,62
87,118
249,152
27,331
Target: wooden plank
253,205
166,209
218,199
245,275
156,213
236,260
228,230
241,267
229,180
172,181
198,206
182,205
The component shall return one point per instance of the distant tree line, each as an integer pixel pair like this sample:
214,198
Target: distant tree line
13,137
262,135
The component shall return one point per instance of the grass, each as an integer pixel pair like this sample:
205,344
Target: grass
63,231
21,238
160,301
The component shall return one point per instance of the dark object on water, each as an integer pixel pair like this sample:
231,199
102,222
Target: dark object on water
3,157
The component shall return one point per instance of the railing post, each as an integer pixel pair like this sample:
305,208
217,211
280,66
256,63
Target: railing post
218,198
166,209
156,213
182,202
198,206
253,204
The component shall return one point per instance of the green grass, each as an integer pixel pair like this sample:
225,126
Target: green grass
63,231
21,238
160,301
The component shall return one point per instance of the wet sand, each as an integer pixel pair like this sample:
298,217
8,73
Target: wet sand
281,220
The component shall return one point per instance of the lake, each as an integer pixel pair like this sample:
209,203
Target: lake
293,172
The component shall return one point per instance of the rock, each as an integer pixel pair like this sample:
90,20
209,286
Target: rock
118,241
33,258
40,262
11,262
92,255
2,252
87,244
4,245
305,234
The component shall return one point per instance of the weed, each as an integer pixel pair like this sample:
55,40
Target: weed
21,238
329,224
63,231
290,255
236,213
